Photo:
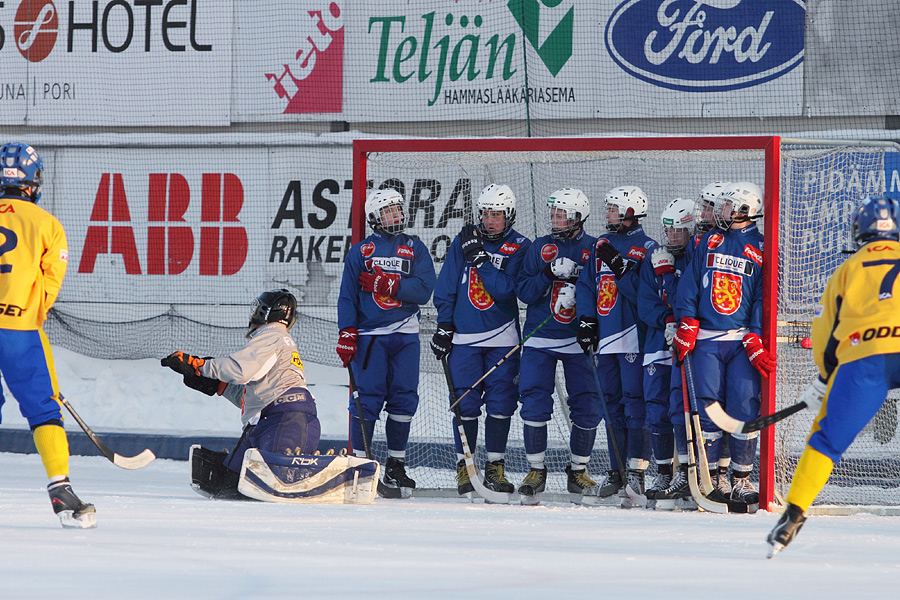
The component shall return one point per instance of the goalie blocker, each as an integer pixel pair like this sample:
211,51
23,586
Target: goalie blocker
300,479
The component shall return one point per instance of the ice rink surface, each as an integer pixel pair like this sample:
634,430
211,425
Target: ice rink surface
158,539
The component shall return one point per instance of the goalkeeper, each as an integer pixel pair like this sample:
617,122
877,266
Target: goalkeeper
265,379
856,345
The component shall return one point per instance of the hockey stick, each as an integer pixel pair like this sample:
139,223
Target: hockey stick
703,462
696,493
500,362
125,462
728,423
383,490
474,477
609,432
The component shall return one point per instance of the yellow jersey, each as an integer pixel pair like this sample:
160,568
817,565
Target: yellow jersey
859,313
33,260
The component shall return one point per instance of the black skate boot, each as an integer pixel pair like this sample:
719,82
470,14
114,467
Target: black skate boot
582,489
784,531
210,477
678,495
72,512
463,483
744,497
722,485
533,486
662,481
612,485
495,479
395,478
634,489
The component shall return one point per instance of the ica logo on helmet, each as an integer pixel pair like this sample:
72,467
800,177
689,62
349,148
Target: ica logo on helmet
706,45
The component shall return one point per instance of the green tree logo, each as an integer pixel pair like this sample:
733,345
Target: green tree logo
557,48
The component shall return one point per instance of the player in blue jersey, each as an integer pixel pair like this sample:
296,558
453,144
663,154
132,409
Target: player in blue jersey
478,324
610,331
546,283
386,278
659,282
719,305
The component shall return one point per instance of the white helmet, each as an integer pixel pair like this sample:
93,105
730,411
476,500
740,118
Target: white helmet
704,220
577,207
380,199
678,224
496,198
630,202
740,201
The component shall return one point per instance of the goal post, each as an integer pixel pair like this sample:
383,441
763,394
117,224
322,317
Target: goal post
441,178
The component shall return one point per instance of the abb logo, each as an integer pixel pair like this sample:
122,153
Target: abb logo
170,239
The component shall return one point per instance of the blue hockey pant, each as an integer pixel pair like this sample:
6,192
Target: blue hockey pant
26,364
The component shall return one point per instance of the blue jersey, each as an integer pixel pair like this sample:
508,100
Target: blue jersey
655,297
613,302
481,303
722,286
539,292
377,314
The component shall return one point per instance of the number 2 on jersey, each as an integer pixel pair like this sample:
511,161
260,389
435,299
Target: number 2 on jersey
10,240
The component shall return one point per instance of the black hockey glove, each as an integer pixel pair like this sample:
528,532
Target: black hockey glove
207,385
442,341
472,246
612,259
183,363
588,334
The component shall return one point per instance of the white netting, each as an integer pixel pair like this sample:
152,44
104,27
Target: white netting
446,185
819,188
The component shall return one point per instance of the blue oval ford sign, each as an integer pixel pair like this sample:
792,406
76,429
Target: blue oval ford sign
707,45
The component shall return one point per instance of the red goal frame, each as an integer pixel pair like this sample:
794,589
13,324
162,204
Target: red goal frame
771,147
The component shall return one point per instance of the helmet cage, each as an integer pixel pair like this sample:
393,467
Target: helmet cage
378,201
704,208
678,224
629,201
741,201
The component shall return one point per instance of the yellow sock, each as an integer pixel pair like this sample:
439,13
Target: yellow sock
53,447
811,475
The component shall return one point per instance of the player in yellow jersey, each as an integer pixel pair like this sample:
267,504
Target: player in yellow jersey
33,258
856,345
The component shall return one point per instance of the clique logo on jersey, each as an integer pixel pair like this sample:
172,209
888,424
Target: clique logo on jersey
312,80
607,294
726,292
726,262
707,45
35,28
478,296
549,252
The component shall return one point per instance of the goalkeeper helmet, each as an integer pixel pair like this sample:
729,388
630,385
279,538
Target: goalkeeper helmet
704,218
622,203
22,171
576,207
274,306
738,202
379,201
876,218
678,224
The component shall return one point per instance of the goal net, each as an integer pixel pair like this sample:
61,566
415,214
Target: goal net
441,179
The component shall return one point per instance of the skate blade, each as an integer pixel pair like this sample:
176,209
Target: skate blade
636,499
470,496
530,500
386,491
774,548
68,520
666,504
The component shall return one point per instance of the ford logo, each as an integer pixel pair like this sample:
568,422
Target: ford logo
707,45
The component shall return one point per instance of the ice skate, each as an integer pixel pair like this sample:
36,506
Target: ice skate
533,486
72,512
612,485
662,481
788,526
495,478
634,490
744,497
463,484
397,484
582,489
677,496
209,475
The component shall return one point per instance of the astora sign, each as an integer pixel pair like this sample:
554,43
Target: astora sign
707,45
